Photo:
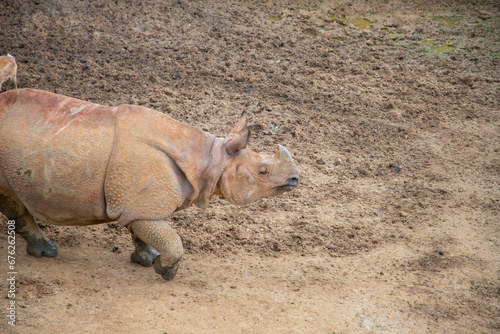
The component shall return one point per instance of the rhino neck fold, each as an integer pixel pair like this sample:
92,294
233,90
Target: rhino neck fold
213,163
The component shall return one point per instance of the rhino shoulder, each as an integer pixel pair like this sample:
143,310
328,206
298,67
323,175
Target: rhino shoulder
155,165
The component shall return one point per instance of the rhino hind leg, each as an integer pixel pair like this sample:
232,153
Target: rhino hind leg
38,244
159,236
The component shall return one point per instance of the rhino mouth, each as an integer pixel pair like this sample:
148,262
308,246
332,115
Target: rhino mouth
282,189
290,185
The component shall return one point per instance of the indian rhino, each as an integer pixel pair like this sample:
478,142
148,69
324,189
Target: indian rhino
65,161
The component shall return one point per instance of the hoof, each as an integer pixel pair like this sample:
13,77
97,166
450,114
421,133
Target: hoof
167,272
42,248
144,254
145,257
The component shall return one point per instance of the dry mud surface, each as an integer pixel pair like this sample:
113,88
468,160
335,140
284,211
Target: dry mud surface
395,127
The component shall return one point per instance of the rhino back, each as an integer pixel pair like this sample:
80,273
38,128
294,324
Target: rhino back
54,152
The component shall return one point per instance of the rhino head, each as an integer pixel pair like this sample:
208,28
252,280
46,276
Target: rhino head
248,176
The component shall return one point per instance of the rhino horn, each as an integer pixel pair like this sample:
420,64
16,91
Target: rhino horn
283,153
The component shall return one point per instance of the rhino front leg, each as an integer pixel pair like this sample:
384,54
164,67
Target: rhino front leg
144,254
38,244
159,236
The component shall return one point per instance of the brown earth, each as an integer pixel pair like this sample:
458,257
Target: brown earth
395,226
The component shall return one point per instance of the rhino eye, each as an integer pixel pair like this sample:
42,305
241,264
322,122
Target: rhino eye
263,172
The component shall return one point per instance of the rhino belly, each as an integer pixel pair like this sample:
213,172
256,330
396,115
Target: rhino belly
54,157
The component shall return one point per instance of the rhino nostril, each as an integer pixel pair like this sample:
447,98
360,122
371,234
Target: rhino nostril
293,182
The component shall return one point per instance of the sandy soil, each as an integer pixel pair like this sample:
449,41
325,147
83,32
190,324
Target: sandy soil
395,126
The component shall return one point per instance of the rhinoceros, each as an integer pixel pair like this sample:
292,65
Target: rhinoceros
65,161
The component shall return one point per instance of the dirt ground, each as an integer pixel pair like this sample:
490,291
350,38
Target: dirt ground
394,122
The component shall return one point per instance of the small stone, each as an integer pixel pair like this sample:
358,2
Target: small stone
304,14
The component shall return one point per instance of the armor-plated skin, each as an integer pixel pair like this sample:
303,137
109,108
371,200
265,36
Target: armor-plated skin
65,161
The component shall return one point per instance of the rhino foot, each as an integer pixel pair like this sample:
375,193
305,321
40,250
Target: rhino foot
39,248
144,254
38,244
167,272
159,241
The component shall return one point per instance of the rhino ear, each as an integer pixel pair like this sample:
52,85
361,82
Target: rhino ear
237,141
242,123
239,137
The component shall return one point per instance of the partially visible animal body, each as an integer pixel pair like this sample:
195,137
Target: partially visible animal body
8,70
65,161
